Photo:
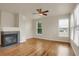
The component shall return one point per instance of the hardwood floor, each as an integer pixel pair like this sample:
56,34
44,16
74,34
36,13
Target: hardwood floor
38,47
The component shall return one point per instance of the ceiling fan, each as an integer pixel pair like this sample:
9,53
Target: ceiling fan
40,12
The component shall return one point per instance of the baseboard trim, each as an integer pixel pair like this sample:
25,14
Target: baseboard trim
24,40
52,40
74,49
43,39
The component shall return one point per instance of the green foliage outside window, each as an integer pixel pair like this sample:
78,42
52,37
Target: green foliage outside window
39,28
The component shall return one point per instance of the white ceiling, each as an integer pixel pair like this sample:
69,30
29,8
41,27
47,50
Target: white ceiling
55,9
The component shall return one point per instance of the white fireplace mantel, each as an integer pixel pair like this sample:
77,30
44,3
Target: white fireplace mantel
9,29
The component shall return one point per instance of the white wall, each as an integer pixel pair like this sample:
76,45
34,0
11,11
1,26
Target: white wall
50,29
7,19
25,26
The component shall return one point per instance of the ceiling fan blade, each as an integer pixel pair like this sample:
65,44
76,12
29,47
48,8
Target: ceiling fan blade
39,10
45,14
45,11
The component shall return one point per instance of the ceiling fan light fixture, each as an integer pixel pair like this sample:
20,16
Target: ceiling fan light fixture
40,14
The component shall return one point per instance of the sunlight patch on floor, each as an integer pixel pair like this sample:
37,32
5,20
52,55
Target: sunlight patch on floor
63,51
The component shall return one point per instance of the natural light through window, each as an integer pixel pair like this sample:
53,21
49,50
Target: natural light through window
63,27
76,28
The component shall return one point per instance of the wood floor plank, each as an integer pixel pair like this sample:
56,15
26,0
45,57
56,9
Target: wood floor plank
38,47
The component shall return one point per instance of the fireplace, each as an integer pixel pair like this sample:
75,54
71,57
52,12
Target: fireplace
9,38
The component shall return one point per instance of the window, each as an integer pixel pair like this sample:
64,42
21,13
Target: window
39,27
63,27
76,27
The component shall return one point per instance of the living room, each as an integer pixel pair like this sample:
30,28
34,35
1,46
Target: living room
36,25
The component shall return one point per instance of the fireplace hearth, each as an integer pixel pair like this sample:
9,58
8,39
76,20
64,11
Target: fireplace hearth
9,38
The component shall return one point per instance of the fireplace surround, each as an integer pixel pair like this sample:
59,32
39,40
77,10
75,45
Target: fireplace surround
9,38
